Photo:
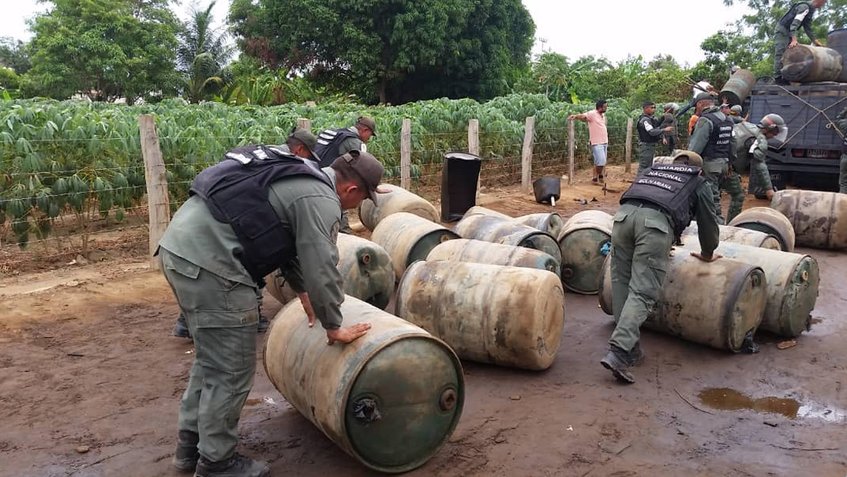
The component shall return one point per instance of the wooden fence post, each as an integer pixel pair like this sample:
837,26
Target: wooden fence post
628,152
571,150
526,156
155,175
406,154
304,123
473,148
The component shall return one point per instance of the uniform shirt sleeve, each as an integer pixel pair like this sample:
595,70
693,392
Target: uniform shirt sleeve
350,144
800,13
700,136
707,219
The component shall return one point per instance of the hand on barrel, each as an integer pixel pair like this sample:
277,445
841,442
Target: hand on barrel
705,258
347,334
307,307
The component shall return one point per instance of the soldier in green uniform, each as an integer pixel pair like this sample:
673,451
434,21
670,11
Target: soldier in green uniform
752,149
654,211
841,122
649,134
261,209
712,139
785,34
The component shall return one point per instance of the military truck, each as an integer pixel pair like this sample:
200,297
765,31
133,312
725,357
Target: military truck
809,157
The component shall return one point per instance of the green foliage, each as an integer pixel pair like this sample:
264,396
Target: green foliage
201,56
9,80
14,54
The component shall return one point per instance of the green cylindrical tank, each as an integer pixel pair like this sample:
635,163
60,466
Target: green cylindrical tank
507,316
740,235
819,218
792,280
365,267
395,200
585,241
811,64
769,221
505,231
738,87
716,304
548,222
407,237
390,399
480,210
479,251
837,40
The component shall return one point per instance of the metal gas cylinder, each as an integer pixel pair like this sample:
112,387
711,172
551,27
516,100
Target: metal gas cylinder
505,231
407,237
507,316
769,221
740,235
819,218
390,399
479,251
365,267
584,241
738,87
547,222
395,200
810,64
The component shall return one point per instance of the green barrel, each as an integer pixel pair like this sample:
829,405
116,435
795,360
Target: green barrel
728,233
508,316
769,221
811,64
395,200
738,87
407,238
547,222
584,242
390,399
494,229
819,218
479,251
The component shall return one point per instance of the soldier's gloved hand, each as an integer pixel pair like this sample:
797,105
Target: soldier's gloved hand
769,194
348,334
706,258
307,307
818,43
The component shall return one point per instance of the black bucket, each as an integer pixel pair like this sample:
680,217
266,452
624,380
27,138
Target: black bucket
547,187
459,178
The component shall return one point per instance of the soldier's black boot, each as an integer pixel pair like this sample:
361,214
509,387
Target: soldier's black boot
617,361
181,328
186,455
236,466
636,355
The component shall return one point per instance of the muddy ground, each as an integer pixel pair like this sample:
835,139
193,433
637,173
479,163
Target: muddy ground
90,380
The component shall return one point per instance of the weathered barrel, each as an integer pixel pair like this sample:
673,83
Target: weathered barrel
548,222
365,267
837,40
819,218
792,281
505,231
809,64
480,210
717,304
407,237
769,221
738,87
507,316
585,241
479,251
740,235
395,200
390,399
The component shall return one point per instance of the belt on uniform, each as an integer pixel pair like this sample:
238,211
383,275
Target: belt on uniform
645,204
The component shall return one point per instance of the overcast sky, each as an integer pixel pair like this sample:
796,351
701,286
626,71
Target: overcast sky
610,28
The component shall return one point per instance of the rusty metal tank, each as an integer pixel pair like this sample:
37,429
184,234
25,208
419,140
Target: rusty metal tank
395,200
738,87
505,231
584,241
718,304
769,221
508,316
819,218
548,222
407,237
365,267
390,399
810,64
837,40
792,281
479,251
732,234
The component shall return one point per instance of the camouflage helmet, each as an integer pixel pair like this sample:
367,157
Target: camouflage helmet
775,124
671,107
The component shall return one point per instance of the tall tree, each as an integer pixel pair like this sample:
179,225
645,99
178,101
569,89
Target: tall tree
392,51
14,55
105,49
202,54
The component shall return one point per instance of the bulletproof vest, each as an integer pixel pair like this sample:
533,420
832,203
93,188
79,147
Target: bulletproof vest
786,19
720,139
671,187
329,142
236,192
642,134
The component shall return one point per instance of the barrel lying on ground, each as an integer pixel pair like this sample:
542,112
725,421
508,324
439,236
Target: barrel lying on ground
505,231
769,221
390,399
395,200
737,235
407,237
507,316
718,304
479,251
585,241
819,218
365,267
548,222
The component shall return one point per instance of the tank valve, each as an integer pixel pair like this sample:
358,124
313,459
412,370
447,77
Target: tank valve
567,272
804,275
366,258
448,400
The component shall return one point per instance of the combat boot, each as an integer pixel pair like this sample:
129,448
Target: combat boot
186,455
236,466
181,328
617,361
636,355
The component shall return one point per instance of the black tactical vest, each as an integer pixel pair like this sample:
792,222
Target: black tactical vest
785,21
671,187
236,192
643,137
329,142
720,139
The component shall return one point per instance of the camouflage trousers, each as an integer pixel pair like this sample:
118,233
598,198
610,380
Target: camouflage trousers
719,177
646,152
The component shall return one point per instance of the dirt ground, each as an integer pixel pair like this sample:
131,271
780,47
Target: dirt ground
90,380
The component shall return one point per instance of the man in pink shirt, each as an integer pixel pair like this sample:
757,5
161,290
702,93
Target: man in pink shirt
598,137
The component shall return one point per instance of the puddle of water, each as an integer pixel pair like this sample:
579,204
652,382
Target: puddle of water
726,399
